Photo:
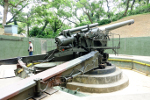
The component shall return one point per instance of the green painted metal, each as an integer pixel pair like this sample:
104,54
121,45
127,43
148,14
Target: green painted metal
133,46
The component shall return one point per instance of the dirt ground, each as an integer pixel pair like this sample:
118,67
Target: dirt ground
140,28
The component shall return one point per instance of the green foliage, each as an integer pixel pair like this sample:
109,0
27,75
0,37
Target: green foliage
92,8
36,32
48,18
104,21
1,26
47,33
85,23
20,30
140,10
118,16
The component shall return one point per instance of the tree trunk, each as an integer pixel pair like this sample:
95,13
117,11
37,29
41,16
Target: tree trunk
28,29
5,12
132,5
147,2
89,17
75,14
55,29
73,22
126,8
16,14
79,20
27,26
46,23
108,10
15,21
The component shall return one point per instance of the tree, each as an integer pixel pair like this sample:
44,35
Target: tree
108,9
147,2
45,17
75,14
69,12
85,6
15,13
62,10
50,15
90,8
0,16
132,5
127,6
7,4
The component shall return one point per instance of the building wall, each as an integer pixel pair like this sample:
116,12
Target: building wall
11,46
133,46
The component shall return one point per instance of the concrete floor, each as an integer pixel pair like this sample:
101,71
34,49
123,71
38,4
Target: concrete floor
7,75
138,83
138,89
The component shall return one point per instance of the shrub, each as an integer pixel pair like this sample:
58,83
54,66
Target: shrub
138,10
104,21
85,23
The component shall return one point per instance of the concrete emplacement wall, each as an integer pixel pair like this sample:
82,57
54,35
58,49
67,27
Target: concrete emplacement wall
132,46
132,64
11,46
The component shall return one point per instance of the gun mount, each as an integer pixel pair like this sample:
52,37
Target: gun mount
83,49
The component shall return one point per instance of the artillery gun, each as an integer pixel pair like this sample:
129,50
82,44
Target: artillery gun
83,49
82,40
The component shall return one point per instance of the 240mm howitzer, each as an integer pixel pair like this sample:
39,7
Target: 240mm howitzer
83,49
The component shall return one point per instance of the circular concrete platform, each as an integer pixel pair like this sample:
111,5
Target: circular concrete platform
105,80
99,79
107,70
100,88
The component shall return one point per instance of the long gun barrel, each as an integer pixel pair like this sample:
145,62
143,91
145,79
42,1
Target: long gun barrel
80,28
66,37
117,25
